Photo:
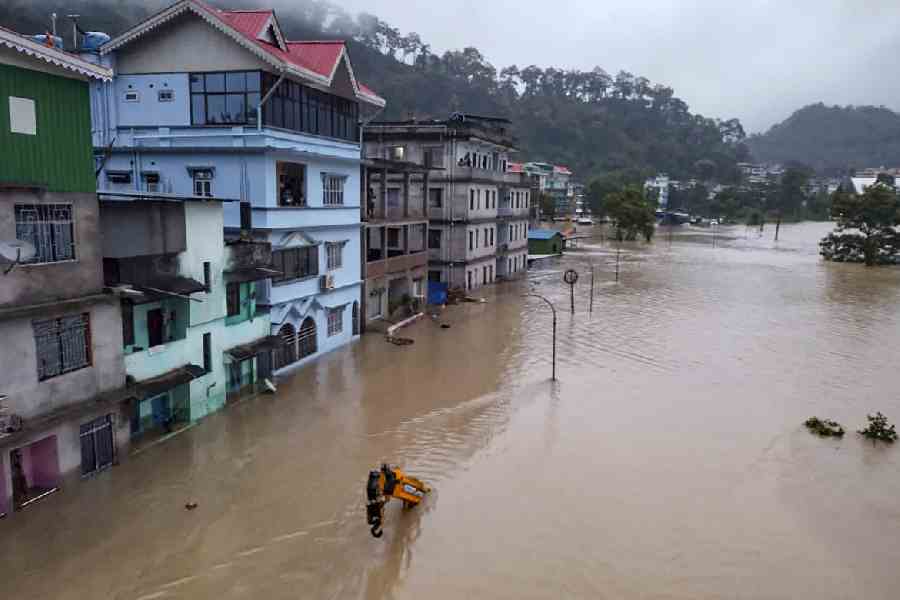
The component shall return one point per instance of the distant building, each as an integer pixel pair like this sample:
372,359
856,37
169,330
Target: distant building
660,186
545,241
477,209
62,374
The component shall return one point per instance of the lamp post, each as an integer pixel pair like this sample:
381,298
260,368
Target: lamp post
553,308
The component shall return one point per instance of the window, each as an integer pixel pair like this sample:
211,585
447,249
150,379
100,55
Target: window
233,299
203,182
207,276
396,153
224,98
132,96
62,345
468,280
435,197
207,352
478,199
150,180
393,197
393,237
165,95
49,228
335,321
155,328
334,256
127,324
22,116
295,263
332,189
306,338
471,199
291,184
434,238
118,177
471,246
492,237
434,156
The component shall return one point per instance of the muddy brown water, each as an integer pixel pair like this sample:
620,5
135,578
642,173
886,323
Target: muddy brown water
669,461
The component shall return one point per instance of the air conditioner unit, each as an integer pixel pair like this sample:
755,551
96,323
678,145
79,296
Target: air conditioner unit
326,282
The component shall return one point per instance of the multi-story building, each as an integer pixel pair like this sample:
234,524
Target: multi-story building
210,102
470,155
193,333
62,372
396,236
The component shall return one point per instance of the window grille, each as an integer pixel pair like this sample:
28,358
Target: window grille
334,253
335,321
333,189
62,345
49,228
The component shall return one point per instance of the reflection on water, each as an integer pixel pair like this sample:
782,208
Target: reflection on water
668,461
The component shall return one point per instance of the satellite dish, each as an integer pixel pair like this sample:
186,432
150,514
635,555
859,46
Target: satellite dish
15,252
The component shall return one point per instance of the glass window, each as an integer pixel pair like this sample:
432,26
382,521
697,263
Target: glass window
333,190
198,109
215,82
236,82
434,238
335,321
334,256
253,81
291,184
393,197
435,197
203,182
197,82
216,109
295,263
235,108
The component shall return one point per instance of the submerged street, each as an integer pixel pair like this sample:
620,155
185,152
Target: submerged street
668,461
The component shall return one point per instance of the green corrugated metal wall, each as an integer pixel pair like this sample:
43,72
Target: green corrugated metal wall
60,156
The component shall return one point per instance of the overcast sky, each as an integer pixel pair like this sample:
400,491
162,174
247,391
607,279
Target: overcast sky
757,60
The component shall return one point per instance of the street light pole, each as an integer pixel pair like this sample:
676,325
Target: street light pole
553,308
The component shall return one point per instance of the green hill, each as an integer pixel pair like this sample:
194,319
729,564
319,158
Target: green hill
591,121
833,138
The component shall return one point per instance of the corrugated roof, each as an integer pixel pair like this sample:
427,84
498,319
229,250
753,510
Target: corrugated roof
54,56
542,234
513,167
317,61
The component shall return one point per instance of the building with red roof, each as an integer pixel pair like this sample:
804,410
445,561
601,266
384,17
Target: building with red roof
214,102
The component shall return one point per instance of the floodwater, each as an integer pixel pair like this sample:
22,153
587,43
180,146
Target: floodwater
668,461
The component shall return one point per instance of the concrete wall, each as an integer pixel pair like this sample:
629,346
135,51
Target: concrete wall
186,44
30,284
148,111
142,228
29,397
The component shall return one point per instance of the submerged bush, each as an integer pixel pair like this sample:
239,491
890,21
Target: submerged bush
879,429
824,427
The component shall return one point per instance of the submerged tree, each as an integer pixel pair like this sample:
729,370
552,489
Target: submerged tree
866,227
632,213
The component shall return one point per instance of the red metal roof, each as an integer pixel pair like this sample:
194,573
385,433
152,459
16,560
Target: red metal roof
514,167
318,57
563,170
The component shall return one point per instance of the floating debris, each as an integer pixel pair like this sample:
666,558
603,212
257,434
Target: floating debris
400,341
824,427
879,429
445,325
191,505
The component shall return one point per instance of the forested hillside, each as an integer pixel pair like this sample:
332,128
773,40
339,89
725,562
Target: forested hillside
593,122
833,139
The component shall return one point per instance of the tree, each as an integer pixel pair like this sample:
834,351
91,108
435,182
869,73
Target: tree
866,227
609,183
548,205
791,194
632,213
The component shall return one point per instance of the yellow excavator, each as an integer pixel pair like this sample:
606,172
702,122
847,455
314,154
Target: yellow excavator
390,482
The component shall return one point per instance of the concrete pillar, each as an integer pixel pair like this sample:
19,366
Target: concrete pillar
406,194
383,193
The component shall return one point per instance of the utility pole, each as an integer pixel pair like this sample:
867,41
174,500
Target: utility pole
591,309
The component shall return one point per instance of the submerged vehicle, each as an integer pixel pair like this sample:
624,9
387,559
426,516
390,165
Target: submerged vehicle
390,482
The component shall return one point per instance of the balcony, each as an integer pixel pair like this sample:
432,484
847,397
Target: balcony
396,264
